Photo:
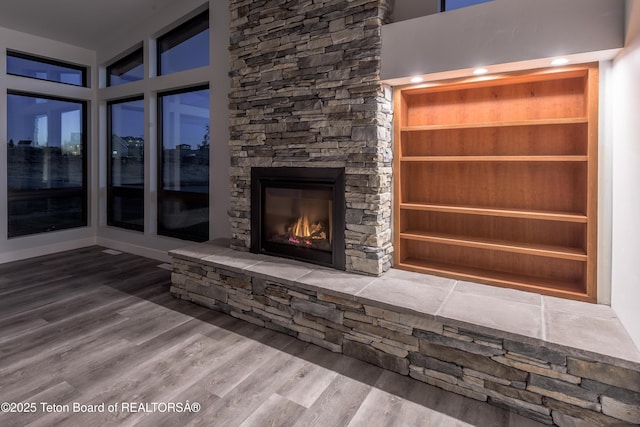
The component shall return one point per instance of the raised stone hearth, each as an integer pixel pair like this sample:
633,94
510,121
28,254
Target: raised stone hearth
305,92
557,361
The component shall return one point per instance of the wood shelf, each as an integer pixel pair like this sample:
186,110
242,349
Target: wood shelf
510,213
537,122
497,245
537,140
496,182
494,159
562,289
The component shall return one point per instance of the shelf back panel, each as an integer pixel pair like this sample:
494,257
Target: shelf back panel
551,269
490,228
550,140
530,186
547,99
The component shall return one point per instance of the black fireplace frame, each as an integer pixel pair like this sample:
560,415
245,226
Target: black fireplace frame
296,177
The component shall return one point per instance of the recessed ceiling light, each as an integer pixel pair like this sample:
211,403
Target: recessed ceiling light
559,61
417,80
480,71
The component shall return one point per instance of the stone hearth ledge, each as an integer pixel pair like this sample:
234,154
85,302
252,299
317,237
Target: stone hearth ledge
563,345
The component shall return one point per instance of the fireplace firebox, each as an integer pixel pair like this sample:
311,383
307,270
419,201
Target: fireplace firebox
299,213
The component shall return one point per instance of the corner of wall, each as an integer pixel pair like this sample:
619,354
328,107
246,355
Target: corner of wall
625,277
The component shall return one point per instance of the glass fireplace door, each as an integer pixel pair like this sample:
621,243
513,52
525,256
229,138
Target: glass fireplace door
299,217
299,213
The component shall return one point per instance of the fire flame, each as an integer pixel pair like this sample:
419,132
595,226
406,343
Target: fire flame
304,231
301,227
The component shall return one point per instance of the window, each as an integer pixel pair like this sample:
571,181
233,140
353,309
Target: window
185,47
457,4
46,166
125,190
128,69
20,64
183,196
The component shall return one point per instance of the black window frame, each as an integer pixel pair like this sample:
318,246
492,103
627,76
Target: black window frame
127,60
186,196
84,71
117,191
180,34
56,193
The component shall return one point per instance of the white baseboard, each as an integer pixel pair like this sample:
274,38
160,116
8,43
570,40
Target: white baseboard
17,255
160,255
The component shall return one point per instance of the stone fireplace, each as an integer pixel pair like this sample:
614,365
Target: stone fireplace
305,93
299,213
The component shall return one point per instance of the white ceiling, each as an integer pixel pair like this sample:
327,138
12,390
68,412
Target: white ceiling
84,23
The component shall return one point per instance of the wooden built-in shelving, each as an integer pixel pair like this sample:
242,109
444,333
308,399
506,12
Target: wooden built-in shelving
495,180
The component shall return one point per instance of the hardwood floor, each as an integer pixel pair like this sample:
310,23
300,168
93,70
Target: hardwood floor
85,327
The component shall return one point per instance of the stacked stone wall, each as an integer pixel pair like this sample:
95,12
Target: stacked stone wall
305,91
549,385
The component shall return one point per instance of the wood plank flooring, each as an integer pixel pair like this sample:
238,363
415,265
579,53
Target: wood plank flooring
87,327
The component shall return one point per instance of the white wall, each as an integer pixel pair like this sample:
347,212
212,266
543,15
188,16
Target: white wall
409,9
605,185
626,178
500,32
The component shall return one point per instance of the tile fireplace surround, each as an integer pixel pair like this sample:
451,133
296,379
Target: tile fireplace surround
556,361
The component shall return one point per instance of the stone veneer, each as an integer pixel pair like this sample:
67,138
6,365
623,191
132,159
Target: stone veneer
554,385
305,91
